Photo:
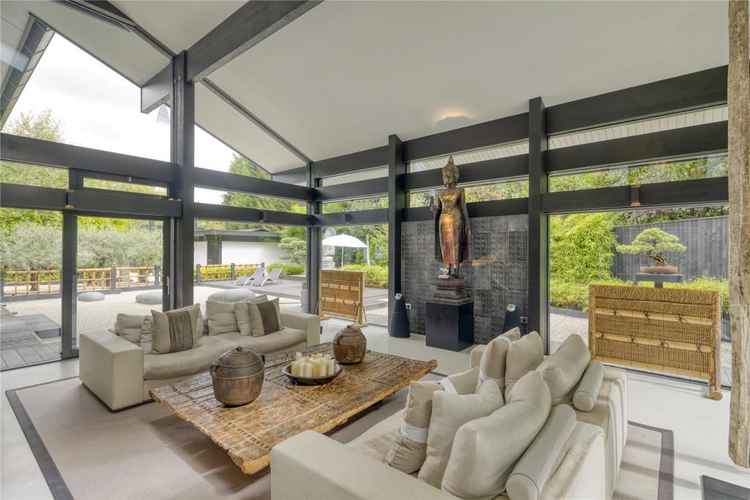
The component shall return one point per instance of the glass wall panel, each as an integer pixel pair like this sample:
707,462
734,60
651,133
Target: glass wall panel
682,170
597,248
30,303
129,187
493,191
33,175
247,200
119,267
333,207
101,111
365,251
471,156
266,259
359,175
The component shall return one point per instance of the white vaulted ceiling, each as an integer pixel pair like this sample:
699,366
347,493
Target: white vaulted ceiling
345,75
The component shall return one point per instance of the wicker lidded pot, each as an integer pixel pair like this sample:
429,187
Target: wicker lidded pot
237,376
350,345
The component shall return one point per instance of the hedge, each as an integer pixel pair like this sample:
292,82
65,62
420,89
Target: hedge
288,269
375,276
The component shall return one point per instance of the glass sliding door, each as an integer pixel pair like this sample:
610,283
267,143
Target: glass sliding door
119,269
30,291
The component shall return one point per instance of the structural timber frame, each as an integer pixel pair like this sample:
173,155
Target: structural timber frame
174,86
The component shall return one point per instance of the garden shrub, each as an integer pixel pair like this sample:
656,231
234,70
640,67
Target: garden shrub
288,269
375,276
582,247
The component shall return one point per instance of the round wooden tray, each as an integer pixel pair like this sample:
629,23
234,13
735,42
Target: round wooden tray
312,380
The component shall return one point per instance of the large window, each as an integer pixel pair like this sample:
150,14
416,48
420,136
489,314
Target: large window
101,111
30,303
374,203
248,200
266,259
597,248
119,269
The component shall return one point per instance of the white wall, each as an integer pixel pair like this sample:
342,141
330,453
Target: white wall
245,252
200,253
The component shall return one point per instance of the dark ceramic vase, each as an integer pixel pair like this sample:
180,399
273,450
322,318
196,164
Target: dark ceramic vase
350,345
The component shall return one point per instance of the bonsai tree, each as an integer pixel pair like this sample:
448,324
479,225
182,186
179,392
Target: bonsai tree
653,243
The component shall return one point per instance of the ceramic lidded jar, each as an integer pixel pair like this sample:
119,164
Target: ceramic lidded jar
350,345
237,376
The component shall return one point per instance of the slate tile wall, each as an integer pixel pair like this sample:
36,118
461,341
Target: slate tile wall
496,276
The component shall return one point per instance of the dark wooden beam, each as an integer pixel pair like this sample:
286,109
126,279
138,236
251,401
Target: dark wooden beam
686,142
358,189
501,168
359,218
396,207
509,129
101,201
294,176
664,194
246,27
538,262
32,197
183,151
38,152
346,164
242,183
695,90
157,91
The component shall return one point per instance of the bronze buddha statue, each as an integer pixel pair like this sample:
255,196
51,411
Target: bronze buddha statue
452,226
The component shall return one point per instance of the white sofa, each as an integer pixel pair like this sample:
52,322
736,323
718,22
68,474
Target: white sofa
121,373
583,467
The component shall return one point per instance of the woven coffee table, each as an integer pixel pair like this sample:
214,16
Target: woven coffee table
284,409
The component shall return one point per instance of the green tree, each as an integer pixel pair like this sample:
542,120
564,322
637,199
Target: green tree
582,247
653,243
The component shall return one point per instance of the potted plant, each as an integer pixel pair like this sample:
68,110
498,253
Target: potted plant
654,243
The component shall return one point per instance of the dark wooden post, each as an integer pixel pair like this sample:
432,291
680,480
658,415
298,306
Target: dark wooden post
183,139
396,206
312,271
537,268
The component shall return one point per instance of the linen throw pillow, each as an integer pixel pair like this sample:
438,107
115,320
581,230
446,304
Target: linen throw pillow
221,318
523,356
242,313
449,413
135,328
265,317
408,451
492,362
175,331
563,369
486,448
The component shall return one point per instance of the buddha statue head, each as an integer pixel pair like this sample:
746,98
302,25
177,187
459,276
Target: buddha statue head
450,173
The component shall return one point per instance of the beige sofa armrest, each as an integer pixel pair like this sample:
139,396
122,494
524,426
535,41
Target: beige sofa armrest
311,466
309,323
112,368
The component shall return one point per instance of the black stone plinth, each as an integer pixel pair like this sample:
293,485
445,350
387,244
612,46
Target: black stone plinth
659,278
450,325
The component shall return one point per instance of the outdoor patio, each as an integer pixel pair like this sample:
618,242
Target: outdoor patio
28,337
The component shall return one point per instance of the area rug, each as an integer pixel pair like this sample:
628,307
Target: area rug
87,452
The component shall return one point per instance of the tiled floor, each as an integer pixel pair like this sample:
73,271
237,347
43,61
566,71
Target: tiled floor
700,425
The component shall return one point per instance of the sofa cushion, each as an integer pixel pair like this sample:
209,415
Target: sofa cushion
245,322
485,449
587,392
523,356
563,369
133,327
281,340
175,330
492,362
464,382
408,452
184,363
231,295
543,456
221,318
449,412
265,317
